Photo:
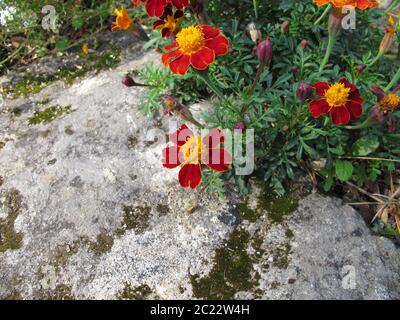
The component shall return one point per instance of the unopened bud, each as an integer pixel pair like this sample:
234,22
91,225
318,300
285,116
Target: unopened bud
264,52
360,68
285,26
240,126
254,33
129,82
335,21
376,115
295,69
303,91
303,43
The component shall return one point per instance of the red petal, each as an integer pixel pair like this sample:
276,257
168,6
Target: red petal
213,139
179,4
219,44
202,59
356,97
318,107
180,136
321,87
155,8
217,159
158,23
165,33
180,65
171,157
210,32
170,56
171,46
190,175
340,115
355,109
347,84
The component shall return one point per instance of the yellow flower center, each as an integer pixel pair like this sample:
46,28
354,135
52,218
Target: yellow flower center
190,40
191,150
171,23
390,102
337,95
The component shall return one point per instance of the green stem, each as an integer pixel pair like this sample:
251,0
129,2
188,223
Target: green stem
256,79
323,15
393,82
206,78
378,56
392,6
367,123
329,49
11,56
255,4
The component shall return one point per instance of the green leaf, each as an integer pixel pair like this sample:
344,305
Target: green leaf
365,146
62,43
344,170
77,23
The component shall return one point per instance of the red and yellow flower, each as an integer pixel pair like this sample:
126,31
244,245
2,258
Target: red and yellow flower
190,152
195,46
123,20
156,8
359,4
169,23
342,101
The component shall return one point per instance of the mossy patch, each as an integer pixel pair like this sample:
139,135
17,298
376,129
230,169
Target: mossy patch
163,209
280,256
2,144
103,244
132,142
61,292
232,272
33,83
9,239
48,114
142,292
135,218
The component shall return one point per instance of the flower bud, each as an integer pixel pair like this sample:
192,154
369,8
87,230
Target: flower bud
303,43
335,21
376,115
303,91
254,33
295,69
240,126
392,123
264,52
285,26
128,81
360,68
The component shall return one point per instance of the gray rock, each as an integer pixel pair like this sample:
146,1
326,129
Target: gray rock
95,215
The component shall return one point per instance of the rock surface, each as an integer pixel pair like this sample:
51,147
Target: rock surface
88,212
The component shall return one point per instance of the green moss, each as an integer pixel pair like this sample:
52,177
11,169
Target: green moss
163,209
140,293
232,271
136,218
32,84
61,292
132,142
48,114
2,144
9,239
103,244
281,256
247,213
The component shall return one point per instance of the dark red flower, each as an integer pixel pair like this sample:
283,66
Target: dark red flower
169,22
190,152
156,8
342,101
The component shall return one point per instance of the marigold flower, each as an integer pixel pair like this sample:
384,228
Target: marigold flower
195,46
169,23
385,108
85,48
190,152
156,8
360,4
123,20
342,101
